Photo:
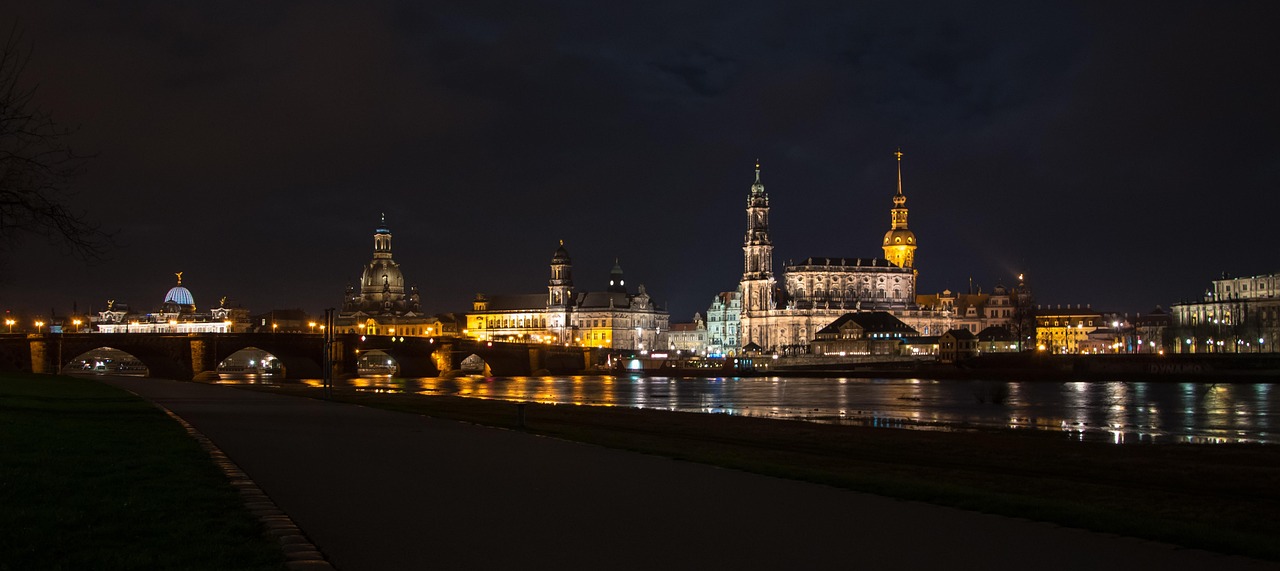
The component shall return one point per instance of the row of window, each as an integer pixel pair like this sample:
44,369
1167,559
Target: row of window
849,294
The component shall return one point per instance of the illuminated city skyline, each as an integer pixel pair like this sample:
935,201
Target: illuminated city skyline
1106,152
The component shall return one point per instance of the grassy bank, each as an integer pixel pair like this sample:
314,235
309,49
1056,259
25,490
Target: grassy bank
1219,497
92,477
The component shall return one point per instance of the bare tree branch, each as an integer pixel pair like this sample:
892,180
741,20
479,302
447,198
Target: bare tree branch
37,166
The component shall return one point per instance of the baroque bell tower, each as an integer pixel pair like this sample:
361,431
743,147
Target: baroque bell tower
757,252
560,286
757,283
899,242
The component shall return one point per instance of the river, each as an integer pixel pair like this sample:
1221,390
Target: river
1119,412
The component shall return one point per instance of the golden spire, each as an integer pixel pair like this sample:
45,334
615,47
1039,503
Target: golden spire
179,274
898,154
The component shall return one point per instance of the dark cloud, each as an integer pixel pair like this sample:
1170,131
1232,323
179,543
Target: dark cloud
1108,151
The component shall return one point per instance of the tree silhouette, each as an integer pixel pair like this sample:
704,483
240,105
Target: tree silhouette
37,166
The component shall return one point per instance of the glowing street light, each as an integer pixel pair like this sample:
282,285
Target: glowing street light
11,322
312,325
77,323
274,326
39,324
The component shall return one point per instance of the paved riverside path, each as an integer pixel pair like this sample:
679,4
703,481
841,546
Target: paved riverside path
385,490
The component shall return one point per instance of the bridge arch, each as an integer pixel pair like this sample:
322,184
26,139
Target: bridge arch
105,361
297,356
474,364
412,357
161,359
377,362
251,363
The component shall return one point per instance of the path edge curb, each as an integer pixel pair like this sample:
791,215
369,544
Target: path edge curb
299,553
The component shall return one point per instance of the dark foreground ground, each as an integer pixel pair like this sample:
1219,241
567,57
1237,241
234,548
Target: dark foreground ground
1217,497
92,477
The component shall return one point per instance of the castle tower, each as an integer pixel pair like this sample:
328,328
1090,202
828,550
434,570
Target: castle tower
560,286
757,251
899,242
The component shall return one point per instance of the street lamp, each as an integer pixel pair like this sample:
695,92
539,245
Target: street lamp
274,326
39,324
10,323
312,325
77,323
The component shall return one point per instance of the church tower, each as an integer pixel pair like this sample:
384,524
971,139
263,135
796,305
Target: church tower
757,252
899,242
560,286
616,283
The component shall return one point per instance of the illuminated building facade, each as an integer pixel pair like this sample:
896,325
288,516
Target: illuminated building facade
177,314
723,322
785,315
689,337
868,333
1060,330
383,305
972,311
1235,315
613,318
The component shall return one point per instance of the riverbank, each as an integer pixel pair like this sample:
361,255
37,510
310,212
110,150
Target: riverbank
1218,497
92,477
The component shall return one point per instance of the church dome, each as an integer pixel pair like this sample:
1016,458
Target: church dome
900,237
382,273
561,256
179,295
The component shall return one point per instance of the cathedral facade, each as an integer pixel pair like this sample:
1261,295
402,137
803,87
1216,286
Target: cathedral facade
784,314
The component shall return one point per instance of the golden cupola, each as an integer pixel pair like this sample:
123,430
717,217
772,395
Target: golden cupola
899,242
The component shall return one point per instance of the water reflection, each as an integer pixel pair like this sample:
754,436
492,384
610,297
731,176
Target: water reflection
1120,412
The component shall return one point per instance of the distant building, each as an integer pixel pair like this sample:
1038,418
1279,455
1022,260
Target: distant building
783,316
972,311
177,314
866,333
1060,330
689,337
1151,330
997,339
957,345
383,305
1235,315
723,323
613,318
284,321
920,346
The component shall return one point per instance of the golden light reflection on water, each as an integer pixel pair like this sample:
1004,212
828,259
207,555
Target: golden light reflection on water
1120,412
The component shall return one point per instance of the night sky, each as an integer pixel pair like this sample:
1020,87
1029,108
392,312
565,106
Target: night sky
1120,154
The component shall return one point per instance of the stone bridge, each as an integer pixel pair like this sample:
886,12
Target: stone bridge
184,356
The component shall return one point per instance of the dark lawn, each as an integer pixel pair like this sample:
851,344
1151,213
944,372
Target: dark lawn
92,477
